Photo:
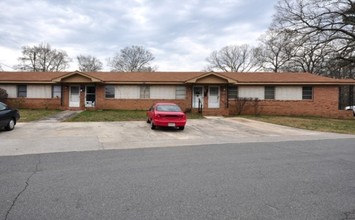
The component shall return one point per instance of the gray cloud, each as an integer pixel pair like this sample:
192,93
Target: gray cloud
181,34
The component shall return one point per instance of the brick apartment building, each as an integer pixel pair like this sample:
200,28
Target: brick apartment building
211,93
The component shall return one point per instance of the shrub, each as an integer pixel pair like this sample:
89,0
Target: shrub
243,103
3,95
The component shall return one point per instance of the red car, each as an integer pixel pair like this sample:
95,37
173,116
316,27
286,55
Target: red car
166,115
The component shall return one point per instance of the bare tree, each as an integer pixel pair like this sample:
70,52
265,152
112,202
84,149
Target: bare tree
89,63
332,21
233,58
43,58
132,59
276,50
312,55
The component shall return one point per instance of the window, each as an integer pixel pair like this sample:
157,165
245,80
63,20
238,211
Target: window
232,92
269,92
22,91
168,108
110,92
180,92
307,92
56,91
144,92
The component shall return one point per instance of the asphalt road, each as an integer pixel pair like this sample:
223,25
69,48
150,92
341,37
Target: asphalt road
312,179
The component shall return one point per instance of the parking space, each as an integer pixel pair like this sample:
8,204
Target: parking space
46,137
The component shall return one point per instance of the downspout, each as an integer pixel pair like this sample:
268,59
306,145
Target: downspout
192,96
61,94
227,94
351,95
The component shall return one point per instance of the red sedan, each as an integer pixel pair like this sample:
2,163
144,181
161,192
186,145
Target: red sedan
166,115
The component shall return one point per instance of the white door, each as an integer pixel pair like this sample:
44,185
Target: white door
197,97
213,97
74,96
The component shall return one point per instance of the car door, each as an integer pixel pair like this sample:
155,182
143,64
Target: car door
4,115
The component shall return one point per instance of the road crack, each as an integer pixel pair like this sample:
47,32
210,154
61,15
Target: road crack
24,189
350,215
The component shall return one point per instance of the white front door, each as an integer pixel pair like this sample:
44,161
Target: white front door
213,97
197,97
74,96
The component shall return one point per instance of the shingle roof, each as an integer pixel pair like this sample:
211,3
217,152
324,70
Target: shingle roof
175,77
276,78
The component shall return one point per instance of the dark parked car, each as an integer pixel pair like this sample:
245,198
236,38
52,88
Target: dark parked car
166,115
8,117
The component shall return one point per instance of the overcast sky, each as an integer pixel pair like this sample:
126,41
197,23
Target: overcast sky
179,33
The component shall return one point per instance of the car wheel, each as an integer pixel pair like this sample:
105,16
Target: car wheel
181,128
11,125
152,125
148,121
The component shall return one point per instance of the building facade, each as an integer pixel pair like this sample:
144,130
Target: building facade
210,93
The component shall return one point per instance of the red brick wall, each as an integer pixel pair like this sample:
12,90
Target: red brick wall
34,103
324,103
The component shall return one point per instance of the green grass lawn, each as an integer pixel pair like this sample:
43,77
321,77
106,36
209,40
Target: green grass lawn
109,115
345,126
28,115
117,115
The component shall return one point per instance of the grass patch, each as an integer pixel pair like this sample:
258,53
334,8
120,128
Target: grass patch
28,115
345,126
117,115
109,115
194,115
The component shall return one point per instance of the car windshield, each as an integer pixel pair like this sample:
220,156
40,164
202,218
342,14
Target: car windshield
168,108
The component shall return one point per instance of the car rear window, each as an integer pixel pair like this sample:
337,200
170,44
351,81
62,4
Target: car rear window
168,108
2,106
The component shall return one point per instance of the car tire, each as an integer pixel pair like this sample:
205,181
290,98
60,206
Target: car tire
152,125
181,128
11,125
148,121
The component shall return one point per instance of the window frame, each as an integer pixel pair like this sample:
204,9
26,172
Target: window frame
110,95
233,94
305,90
55,93
180,92
269,92
19,91
144,92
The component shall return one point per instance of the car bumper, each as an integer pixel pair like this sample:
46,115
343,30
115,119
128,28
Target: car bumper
165,123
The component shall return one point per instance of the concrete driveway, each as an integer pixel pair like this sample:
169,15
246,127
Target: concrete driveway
50,136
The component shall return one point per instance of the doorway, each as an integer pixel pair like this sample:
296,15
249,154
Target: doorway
213,97
197,101
74,96
90,96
